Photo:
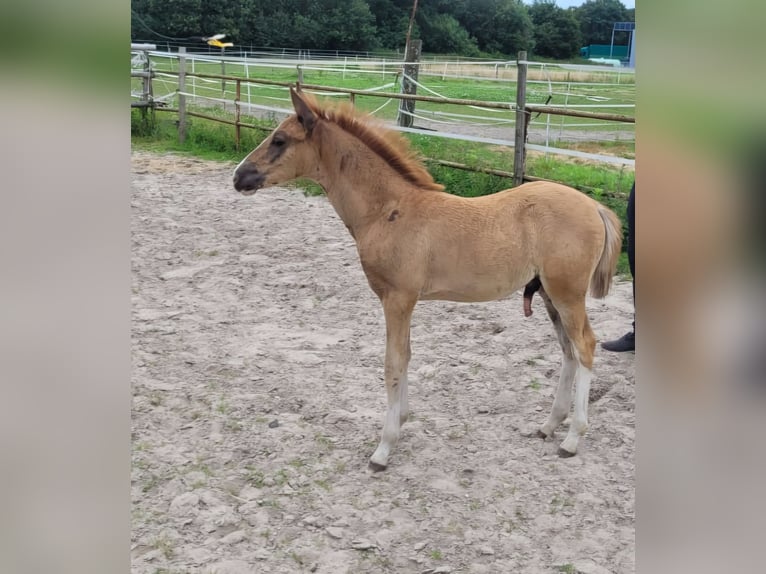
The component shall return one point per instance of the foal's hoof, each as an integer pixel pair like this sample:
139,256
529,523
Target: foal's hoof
377,467
564,453
542,435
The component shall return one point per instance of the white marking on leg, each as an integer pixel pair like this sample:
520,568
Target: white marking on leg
398,311
403,400
580,417
391,426
563,400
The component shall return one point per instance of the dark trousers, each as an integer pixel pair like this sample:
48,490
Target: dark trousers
632,241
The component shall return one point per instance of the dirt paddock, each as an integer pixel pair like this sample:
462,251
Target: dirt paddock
258,397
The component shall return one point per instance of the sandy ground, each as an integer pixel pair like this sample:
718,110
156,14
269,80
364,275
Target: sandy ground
258,398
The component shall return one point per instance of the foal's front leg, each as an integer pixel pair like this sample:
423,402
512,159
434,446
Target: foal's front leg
398,311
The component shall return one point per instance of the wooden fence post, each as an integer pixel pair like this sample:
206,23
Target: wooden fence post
236,112
223,73
181,96
521,120
411,59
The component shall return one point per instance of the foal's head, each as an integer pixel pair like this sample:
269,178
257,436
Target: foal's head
293,149
286,154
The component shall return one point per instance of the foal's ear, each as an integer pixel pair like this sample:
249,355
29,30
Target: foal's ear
306,117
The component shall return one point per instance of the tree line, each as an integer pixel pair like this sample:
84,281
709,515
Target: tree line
463,27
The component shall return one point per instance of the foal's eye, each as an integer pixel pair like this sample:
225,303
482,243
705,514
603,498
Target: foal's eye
278,140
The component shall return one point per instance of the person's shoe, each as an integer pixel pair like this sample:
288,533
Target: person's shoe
625,343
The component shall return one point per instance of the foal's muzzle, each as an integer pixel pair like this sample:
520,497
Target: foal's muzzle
248,180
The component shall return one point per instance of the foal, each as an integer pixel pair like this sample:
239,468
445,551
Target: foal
416,242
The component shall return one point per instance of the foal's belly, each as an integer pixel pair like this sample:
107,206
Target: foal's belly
474,289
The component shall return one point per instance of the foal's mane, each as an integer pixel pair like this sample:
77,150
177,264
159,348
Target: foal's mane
394,148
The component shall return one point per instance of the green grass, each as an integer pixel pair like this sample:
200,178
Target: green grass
583,89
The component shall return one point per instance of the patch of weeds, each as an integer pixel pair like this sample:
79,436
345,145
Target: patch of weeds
340,466
474,505
535,384
265,533
322,482
531,361
281,477
153,481
560,503
141,446
436,554
567,568
378,561
454,527
323,441
155,399
297,557
164,545
254,476
138,515
454,435
297,463
222,407
233,425
261,420
202,467
369,444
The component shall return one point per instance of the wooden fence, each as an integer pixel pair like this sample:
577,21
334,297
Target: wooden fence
523,110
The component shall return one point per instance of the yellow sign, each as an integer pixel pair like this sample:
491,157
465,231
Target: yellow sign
218,44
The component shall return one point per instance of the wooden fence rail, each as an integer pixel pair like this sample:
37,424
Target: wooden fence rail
522,109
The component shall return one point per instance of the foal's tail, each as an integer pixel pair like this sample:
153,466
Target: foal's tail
607,264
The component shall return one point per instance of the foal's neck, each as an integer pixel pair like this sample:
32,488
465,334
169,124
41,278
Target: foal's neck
360,185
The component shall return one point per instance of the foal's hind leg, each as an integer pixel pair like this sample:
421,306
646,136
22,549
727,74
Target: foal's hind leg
577,328
404,405
563,399
398,311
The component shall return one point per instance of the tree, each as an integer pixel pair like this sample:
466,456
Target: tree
443,34
499,26
597,18
349,25
514,28
140,20
175,18
556,31
391,20
221,17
